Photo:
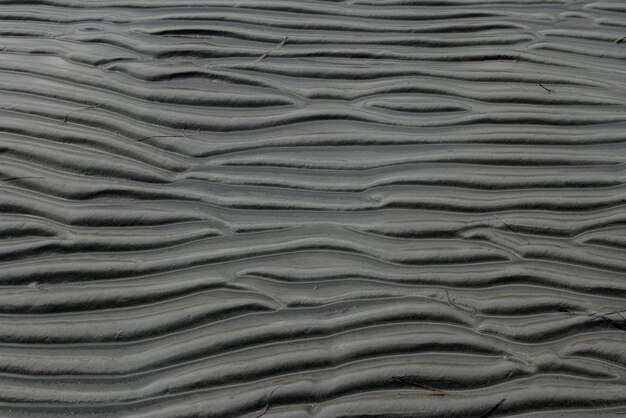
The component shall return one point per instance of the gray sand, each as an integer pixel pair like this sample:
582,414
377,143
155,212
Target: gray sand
285,208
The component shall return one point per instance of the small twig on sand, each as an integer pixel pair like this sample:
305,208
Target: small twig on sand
605,317
516,61
267,404
545,88
450,301
510,228
186,136
434,392
505,224
457,307
493,409
80,110
276,48
197,65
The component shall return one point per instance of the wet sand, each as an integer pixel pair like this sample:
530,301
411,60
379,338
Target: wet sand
369,208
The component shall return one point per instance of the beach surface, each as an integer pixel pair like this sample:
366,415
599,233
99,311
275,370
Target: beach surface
285,209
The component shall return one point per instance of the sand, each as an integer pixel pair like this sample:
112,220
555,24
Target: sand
366,208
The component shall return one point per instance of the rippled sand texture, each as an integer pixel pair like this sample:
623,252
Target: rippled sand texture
369,208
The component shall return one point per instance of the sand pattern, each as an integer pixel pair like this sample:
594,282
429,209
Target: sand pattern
285,208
